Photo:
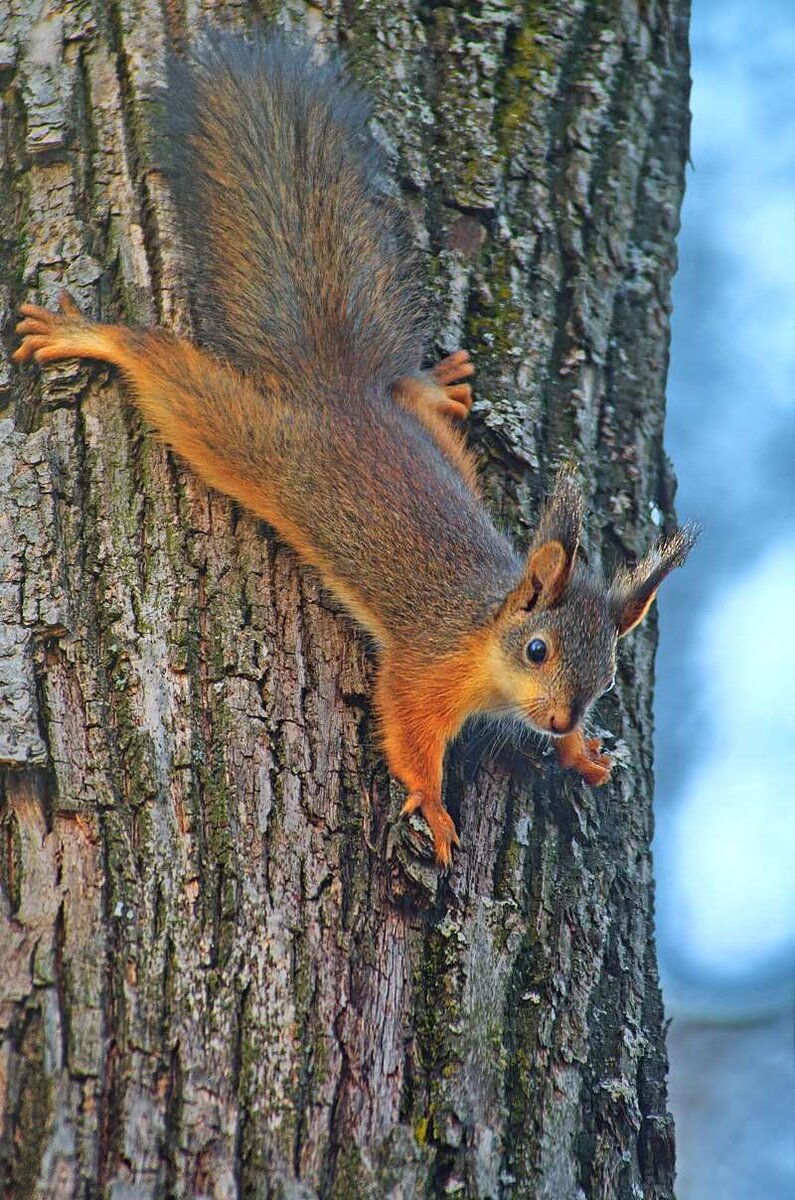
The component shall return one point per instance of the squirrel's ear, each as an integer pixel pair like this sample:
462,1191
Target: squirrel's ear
545,577
554,549
634,588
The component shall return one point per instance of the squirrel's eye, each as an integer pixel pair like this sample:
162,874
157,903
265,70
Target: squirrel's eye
536,650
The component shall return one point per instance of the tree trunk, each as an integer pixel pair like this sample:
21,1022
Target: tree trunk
226,971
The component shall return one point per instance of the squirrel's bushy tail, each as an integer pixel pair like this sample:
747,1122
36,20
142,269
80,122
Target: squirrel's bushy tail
298,258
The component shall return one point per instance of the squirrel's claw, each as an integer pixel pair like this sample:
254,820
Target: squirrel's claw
440,823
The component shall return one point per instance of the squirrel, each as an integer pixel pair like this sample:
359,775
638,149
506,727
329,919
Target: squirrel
305,400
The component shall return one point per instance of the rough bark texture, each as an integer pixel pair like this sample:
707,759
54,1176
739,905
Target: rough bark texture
224,972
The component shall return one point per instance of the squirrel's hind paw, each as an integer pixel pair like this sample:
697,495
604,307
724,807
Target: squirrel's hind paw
453,368
448,374
49,336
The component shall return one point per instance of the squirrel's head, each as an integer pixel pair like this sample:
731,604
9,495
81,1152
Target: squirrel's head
557,631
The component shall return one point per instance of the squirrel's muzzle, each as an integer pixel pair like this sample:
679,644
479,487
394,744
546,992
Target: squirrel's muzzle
563,719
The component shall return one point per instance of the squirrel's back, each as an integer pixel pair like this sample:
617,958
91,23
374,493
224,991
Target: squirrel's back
298,258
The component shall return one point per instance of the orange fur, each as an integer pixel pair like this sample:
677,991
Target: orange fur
421,705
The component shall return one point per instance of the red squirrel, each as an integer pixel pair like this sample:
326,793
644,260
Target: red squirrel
307,403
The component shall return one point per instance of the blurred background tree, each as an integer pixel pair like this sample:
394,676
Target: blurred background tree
725,841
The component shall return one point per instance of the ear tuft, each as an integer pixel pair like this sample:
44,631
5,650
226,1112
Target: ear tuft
561,516
554,547
557,538
633,589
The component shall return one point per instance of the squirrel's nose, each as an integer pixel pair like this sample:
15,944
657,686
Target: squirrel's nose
564,720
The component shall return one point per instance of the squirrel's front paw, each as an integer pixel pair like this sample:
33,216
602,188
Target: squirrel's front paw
440,822
585,756
594,765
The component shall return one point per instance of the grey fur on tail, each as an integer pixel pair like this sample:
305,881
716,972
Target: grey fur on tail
299,263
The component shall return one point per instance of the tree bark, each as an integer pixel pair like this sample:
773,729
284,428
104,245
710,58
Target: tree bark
226,971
